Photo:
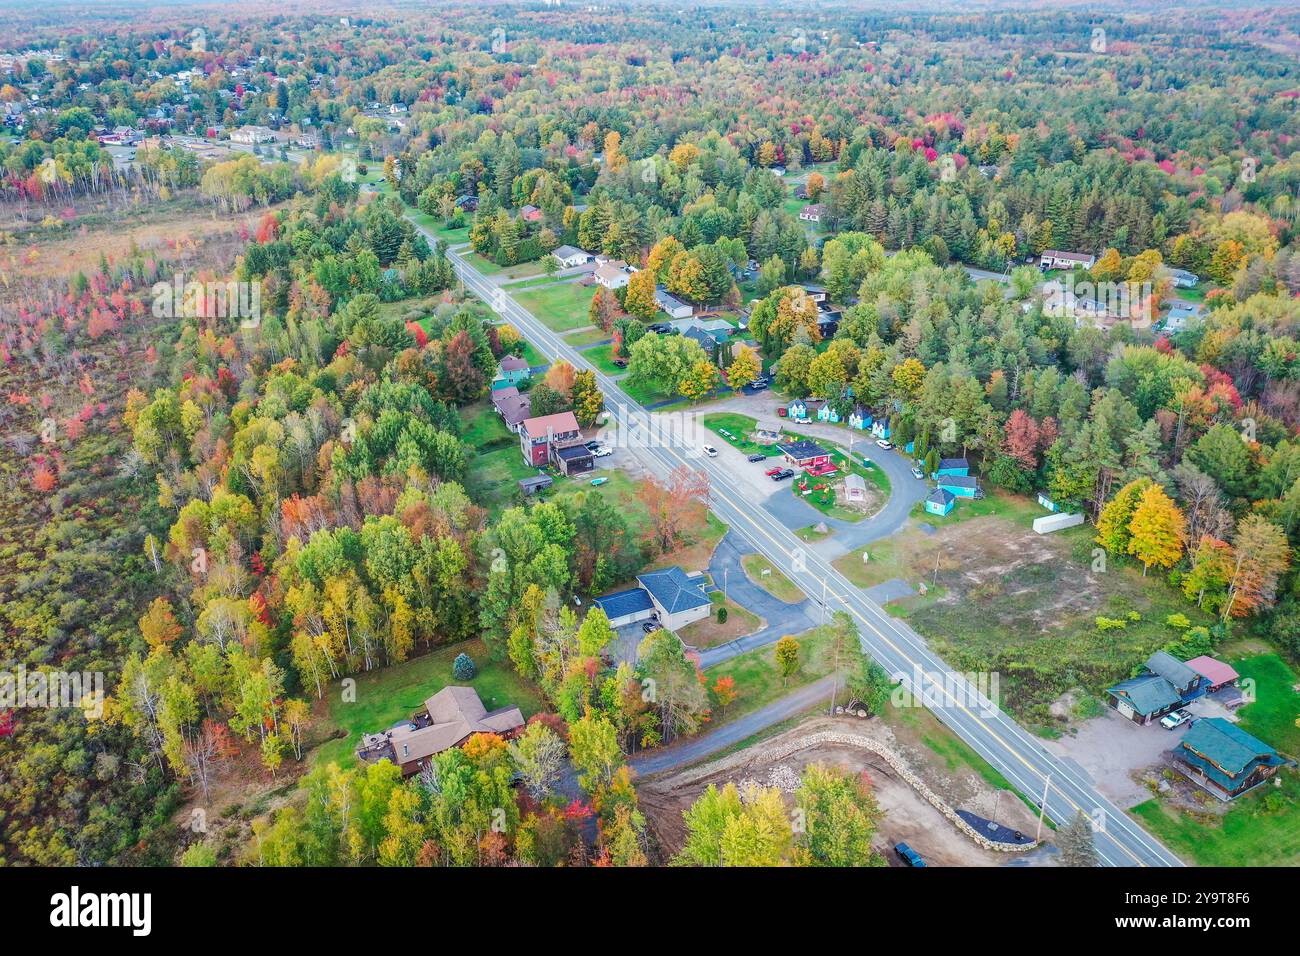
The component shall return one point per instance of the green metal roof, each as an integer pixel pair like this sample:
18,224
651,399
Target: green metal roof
1227,745
1148,694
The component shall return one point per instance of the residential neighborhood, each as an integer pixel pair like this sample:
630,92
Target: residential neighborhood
536,436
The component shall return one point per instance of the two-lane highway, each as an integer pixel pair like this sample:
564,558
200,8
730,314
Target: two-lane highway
900,650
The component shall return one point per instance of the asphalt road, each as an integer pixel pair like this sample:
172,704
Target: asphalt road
953,699
742,728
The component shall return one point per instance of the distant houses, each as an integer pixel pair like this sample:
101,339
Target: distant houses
1055,259
675,307
450,717
571,256
1184,279
252,135
1180,313
813,212
611,275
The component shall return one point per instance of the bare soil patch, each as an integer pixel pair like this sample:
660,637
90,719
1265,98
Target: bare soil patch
908,817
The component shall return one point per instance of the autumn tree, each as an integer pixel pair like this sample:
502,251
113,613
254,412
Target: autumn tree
1157,530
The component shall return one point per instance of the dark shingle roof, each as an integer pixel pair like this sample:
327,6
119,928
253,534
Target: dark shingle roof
630,601
958,481
1171,669
673,590
941,497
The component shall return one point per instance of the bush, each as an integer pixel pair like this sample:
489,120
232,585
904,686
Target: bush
722,615
462,668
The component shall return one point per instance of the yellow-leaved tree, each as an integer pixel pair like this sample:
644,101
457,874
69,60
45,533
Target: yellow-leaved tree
1158,530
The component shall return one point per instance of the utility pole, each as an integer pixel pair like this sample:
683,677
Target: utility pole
1042,809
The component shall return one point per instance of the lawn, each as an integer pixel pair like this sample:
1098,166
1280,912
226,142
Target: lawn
483,430
643,393
995,503
602,356
760,570
586,336
493,477
391,694
758,678
1249,834
1273,714
707,632
561,306
735,430
522,270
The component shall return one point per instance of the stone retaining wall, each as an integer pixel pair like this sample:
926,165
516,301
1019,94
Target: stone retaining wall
896,763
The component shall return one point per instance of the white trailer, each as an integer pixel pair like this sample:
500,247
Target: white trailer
1057,522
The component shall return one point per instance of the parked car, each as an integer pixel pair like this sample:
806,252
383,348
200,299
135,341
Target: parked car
884,443
709,450
772,472
1175,719
917,472
757,385
602,452
783,474
650,627
620,363
593,444
909,856
757,458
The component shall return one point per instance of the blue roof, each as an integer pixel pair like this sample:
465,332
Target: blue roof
941,497
623,603
673,590
958,481
1148,694
953,463
1224,752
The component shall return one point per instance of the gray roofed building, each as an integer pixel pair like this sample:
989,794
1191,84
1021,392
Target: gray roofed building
1182,677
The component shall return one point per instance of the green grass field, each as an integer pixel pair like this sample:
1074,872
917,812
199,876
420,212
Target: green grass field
758,678
560,306
602,357
773,582
522,270
483,430
390,694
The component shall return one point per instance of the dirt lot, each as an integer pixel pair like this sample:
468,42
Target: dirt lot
908,817
1025,605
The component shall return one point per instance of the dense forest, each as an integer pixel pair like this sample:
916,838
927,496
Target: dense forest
228,520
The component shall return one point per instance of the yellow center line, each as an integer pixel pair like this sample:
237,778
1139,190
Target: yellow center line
628,407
